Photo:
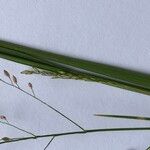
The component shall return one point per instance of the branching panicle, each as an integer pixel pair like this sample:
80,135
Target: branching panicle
82,131
41,101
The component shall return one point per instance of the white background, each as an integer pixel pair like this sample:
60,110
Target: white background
110,31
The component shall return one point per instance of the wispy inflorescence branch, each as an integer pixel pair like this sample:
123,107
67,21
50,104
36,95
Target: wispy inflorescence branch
14,84
49,143
11,125
41,101
5,122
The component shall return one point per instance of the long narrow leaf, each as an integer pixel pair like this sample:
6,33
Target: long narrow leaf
124,117
83,69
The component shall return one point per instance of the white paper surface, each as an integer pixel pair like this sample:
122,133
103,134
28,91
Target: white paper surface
116,32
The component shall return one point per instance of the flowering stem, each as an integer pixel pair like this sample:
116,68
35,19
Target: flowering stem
78,132
33,92
9,124
44,103
49,142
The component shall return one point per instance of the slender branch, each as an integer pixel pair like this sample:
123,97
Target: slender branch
44,103
77,132
33,92
11,125
49,142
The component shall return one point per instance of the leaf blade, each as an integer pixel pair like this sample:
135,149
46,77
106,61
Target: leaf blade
124,117
111,75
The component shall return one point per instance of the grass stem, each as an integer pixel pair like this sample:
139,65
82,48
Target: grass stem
49,143
44,103
78,133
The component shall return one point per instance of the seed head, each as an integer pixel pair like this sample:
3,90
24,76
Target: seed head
30,85
6,73
6,139
14,79
2,117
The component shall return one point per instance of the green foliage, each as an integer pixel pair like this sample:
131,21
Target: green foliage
74,68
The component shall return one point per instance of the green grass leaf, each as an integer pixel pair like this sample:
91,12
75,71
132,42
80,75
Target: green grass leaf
148,148
123,117
77,68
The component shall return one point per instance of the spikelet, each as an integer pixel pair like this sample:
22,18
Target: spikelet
30,85
6,73
6,139
2,117
14,79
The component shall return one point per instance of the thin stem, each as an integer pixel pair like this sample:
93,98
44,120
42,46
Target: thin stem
33,92
9,124
78,132
44,103
18,86
124,117
49,142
